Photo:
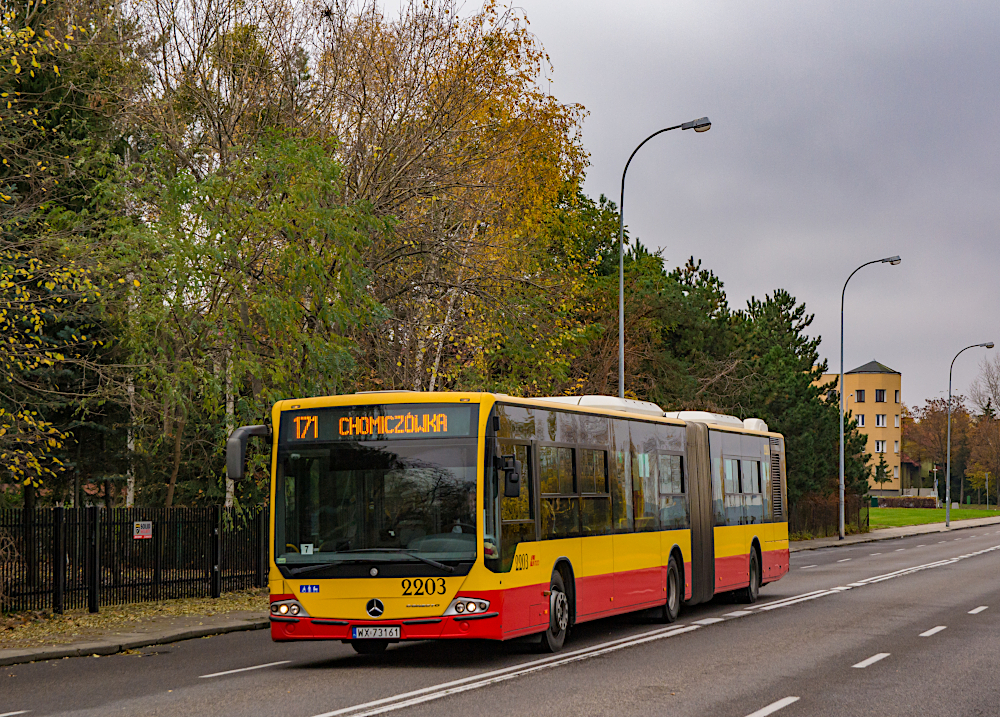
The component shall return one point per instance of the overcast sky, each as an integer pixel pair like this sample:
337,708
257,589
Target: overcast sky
843,131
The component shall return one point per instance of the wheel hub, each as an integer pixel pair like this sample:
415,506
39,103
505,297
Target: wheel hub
559,609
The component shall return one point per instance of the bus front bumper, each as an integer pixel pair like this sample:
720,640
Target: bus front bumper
484,626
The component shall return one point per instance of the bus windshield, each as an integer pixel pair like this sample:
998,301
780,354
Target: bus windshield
376,502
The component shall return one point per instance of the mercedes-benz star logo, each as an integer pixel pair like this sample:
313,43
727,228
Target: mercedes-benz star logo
375,608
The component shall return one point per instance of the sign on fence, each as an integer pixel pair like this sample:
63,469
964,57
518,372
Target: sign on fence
143,529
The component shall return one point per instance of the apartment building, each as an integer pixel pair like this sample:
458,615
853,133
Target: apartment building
873,398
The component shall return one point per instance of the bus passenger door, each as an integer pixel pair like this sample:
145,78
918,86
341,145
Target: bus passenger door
596,582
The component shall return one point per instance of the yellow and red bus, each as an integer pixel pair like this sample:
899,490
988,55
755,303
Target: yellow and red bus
415,516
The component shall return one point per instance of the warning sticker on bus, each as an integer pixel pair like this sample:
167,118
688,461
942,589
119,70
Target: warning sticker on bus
380,423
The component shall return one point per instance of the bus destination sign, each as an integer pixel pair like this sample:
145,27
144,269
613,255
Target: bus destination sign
380,423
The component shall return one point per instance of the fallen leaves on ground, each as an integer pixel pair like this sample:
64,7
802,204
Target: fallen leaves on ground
39,628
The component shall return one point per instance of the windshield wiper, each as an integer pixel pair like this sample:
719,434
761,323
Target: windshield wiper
433,563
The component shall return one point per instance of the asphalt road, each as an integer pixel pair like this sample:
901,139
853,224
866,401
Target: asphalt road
904,627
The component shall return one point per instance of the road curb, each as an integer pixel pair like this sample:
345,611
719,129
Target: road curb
924,529
122,643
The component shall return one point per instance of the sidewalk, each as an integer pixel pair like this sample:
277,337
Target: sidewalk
119,630
890,533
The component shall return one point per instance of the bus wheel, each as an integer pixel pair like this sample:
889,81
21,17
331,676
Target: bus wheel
750,592
369,647
670,611
552,639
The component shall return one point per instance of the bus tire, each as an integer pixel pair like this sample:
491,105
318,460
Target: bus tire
553,638
369,647
750,592
672,608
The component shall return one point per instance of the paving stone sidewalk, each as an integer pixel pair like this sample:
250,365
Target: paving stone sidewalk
891,533
155,631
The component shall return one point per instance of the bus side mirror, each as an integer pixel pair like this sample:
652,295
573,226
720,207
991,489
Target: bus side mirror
512,477
236,449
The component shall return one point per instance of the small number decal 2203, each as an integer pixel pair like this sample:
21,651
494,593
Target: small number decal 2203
418,586
521,562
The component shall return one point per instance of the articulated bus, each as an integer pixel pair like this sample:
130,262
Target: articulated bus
415,516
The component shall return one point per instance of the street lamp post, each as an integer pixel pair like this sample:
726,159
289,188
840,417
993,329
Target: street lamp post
947,475
699,125
893,260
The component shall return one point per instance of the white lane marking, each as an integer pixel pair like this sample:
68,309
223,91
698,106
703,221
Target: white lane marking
782,601
977,610
957,538
741,613
856,585
874,554
871,660
708,621
933,631
899,550
806,567
242,669
921,546
427,694
843,587
774,707
844,560
942,541
434,692
11,714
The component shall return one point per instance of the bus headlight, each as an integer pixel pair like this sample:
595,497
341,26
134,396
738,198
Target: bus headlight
288,607
465,605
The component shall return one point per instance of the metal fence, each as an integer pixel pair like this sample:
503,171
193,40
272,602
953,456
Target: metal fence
70,558
819,516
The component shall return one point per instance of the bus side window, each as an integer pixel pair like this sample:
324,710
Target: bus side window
596,501
621,479
560,502
644,498
734,500
673,502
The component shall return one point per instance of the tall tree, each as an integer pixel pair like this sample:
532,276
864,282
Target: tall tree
786,394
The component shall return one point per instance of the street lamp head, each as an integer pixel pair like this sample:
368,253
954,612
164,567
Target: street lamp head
892,260
988,344
698,125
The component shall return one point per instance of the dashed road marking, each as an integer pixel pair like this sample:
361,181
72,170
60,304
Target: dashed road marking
774,707
899,550
871,660
11,714
921,546
976,611
806,567
242,669
707,621
933,631
844,560
738,613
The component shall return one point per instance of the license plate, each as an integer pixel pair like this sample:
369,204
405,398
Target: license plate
375,633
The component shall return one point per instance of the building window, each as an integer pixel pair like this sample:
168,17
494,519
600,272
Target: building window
859,396
861,420
895,472
897,420
879,395
879,420
897,446
880,446
897,395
